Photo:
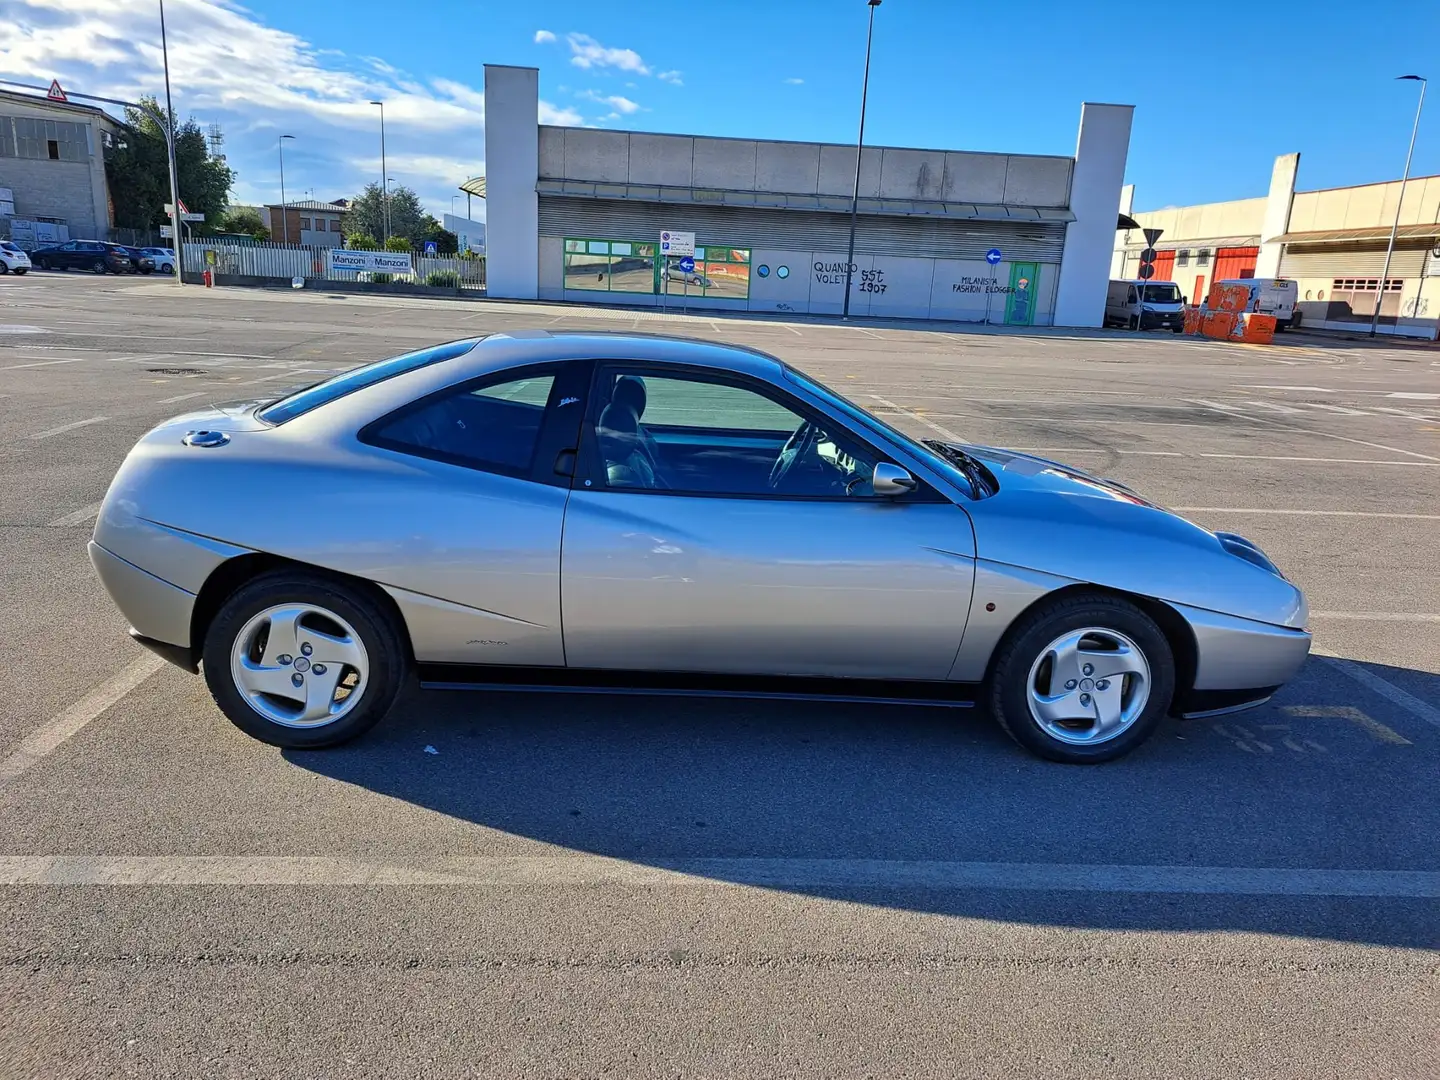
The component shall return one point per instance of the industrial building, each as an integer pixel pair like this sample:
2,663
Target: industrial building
577,213
52,170
1332,242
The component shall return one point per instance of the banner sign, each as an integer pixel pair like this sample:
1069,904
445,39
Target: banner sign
387,262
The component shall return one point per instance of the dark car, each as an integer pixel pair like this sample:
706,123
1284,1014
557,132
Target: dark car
93,255
144,264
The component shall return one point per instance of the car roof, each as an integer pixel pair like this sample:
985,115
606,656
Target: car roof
516,347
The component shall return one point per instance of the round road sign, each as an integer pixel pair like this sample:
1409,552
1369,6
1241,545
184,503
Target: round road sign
993,256
1148,255
1146,272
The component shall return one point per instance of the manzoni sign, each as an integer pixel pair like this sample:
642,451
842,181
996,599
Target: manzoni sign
388,262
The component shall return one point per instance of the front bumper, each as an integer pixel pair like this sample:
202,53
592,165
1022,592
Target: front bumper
157,610
1234,656
1152,320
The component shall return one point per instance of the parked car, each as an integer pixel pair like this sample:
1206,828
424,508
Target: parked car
144,264
1160,305
162,257
13,259
93,255
705,518
692,277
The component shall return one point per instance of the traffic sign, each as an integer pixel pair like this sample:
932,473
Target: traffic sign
1151,235
1146,272
993,256
687,265
56,94
1148,255
673,242
430,247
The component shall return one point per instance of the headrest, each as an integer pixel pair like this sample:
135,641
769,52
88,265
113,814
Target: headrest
630,390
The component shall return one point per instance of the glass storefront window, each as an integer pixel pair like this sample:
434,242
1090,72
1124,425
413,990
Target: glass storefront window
634,266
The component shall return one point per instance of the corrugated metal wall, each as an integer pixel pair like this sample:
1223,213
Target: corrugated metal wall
802,230
1351,261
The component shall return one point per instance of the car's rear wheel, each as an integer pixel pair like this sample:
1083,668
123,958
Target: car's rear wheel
98,266
299,660
1082,679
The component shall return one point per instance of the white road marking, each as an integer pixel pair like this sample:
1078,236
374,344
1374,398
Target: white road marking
1415,397
1409,415
867,333
1269,386
790,328
83,516
919,419
180,397
1230,457
45,363
44,741
779,873
1273,407
1301,513
1345,409
1281,426
69,427
1384,687
1216,405
1378,616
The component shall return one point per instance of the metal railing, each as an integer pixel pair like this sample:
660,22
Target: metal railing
289,261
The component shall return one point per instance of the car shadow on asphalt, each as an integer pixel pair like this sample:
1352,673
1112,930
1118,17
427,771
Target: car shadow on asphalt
657,781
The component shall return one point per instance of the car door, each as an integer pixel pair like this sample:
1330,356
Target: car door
65,256
466,508
683,553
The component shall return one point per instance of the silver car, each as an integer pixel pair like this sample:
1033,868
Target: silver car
596,512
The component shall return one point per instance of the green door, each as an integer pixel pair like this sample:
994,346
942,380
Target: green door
1020,302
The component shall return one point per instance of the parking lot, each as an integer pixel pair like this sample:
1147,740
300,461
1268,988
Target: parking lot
496,885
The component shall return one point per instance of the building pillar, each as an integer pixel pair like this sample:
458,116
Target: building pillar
1277,214
512,169
1095,183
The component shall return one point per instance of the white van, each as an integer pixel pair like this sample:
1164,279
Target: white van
1162,305
1272,296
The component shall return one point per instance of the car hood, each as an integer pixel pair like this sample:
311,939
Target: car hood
1060,520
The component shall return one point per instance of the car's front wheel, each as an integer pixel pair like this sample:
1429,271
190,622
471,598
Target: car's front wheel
300,660
1082,679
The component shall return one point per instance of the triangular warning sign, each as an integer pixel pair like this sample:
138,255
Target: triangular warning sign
56,94
183,208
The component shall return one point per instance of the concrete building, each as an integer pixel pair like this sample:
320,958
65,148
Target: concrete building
576,214
1331,242
469,234
52,162
313,224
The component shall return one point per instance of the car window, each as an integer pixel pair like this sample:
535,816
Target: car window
71,246
495,427
302,401
718,436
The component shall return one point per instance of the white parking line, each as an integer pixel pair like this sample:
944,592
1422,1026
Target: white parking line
1385,688
1344,409
83,516
779,873
181,397
1043,450
1301,513
919,419
45,363
69,427
43,742
1378,616
1273,407
1415,397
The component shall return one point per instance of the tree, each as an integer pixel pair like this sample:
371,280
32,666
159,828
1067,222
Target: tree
359,241
244,219
139,178
367,213
398,243
446,243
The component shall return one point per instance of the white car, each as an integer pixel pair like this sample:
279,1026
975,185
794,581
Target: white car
164,259
12,258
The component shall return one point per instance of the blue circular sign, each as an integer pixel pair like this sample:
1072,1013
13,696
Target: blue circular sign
687,265
992,256
763,270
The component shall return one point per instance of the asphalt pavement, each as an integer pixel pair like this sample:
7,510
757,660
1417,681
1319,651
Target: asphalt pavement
511,885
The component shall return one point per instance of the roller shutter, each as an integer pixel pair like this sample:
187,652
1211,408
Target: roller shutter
1351,261
800,230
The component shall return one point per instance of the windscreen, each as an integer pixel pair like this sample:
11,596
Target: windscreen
313,397
1162,292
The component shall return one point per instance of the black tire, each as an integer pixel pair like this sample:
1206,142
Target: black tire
1134,323
1006,690
5,269
385,649
98,266
20,270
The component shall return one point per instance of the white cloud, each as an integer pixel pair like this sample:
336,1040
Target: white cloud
615,101
543,37
792,81
589,53
672,77
259,81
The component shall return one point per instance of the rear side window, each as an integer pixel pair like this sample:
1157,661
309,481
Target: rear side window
313,397
494,427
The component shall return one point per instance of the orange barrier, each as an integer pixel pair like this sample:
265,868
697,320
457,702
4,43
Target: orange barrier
1255,329
1192,320
1234,298
1218,324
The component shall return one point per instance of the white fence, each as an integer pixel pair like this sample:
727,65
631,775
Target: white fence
287,261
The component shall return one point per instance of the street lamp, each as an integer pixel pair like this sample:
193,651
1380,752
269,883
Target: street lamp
859,146
1395,228
383,168
284,217
169,128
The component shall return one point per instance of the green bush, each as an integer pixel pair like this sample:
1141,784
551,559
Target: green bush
361,242
397,243
443,279
382,279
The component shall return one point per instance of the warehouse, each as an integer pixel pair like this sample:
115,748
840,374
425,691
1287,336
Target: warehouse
576,214
1332,242
52,165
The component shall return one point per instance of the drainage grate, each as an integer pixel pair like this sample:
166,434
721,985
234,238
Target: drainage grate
176,371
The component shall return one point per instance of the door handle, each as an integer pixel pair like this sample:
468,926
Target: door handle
565,463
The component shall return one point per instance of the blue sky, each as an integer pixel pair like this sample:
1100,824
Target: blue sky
1215,102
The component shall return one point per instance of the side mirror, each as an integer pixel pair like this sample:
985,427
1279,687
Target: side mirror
891,480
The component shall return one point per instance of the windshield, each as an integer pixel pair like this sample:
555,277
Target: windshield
1164,292
8,246
313,397
869,420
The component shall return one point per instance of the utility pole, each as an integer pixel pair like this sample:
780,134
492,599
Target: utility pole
384,170
170,146
859,148
1395,228
284,216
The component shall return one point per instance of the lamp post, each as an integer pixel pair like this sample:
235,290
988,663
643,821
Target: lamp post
170,150
385,180
1400,202
859,147
284,217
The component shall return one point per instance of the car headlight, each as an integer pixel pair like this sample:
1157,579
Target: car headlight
1245,549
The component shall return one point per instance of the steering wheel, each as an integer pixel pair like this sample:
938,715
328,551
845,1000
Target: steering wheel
801,442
